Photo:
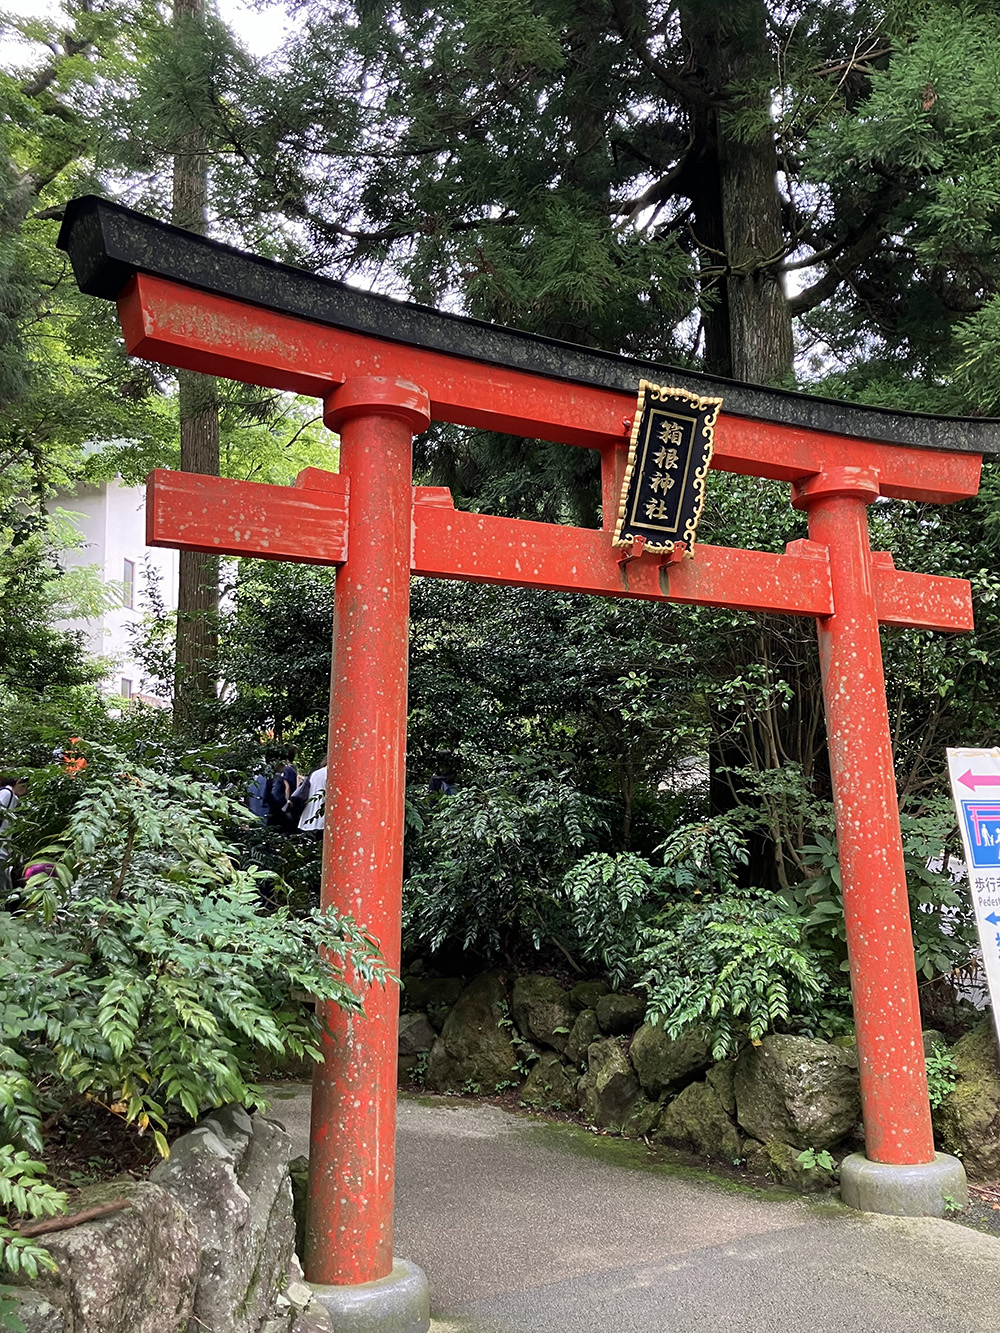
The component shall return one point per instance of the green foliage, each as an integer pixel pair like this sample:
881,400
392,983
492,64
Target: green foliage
484,873
24,1195
732,965
141,974
811,1159
611,898
941,916
942,1074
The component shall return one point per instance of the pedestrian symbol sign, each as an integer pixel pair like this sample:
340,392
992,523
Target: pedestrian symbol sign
972,772
982,830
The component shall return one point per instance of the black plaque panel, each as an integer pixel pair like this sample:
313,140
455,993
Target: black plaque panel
669,452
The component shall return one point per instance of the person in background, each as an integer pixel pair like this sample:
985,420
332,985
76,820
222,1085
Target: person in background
284,780
314,810
10,796
257,802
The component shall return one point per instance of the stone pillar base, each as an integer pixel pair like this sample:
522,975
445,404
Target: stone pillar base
397,1303
929,1189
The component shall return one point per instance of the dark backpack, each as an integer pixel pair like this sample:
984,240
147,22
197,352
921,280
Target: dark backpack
276,797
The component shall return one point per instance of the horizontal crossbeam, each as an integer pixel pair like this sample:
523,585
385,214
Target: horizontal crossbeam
195,330
308,523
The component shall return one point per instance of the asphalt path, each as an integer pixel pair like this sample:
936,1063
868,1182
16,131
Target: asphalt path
524,1226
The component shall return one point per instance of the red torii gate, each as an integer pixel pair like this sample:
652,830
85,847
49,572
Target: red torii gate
384,370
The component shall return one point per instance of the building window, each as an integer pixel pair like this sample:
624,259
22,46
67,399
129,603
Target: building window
126,688
128,582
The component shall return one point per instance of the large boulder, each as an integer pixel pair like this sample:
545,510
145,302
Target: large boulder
549,1086
662,1063
582,1033
230,1176
797,1091
474,1052
135,1271
542,1010
608,1091
697,1120
585,994
618,1014
416,1035
968,1120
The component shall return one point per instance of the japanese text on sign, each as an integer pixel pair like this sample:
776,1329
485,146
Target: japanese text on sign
975,785
669,452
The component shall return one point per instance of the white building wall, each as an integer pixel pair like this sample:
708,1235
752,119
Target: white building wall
111,518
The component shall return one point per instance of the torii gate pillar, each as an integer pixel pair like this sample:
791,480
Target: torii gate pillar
900,1170
352,1149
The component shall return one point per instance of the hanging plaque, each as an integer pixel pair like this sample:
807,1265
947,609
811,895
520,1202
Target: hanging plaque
669,452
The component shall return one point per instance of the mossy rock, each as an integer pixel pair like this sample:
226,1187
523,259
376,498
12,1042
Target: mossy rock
780,1161
435,996
696,1119
416,1034
542,1010
585,994
608,1091
796,1091
968,1120
474,1052
643,1116
549,1086
583,1032
662,1062
618,1014
722,1077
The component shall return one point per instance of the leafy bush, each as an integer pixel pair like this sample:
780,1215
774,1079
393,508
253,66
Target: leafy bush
611,899
140,974
485,865
941,916
942,1074
734,965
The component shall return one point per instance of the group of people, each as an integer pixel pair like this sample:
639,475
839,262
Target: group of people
288,800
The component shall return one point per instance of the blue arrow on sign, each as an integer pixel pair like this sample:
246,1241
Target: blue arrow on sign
993,919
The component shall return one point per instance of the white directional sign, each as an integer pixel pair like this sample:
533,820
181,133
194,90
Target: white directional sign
975,785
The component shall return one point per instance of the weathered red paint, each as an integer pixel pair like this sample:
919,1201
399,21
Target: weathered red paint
352,1152
303,523
179,326
876,910
198,513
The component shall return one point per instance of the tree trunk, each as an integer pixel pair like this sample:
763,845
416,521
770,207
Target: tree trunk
195,671
737,207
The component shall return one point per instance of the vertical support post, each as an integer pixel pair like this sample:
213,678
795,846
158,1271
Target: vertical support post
876,908
614,459
352,1148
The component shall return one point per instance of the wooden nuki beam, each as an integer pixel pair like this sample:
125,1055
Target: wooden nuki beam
195,330
308,523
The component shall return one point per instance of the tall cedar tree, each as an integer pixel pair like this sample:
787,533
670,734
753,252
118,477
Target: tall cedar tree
198,579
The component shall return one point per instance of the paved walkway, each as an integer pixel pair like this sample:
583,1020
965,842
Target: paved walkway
528,1227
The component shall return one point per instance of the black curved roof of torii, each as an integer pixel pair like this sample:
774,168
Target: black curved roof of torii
108,243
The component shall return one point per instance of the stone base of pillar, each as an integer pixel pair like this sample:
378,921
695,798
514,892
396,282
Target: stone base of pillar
930,1189
396,1303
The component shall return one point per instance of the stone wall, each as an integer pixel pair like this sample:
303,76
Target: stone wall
589,1051
207,1244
